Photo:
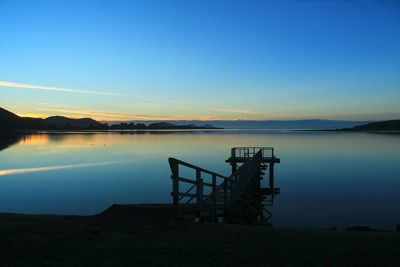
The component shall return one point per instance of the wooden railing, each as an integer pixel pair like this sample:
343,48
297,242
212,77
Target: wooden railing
228,194
197,184
244,192
247,172
248,152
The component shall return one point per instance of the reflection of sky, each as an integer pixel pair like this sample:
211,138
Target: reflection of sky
326,179
53,168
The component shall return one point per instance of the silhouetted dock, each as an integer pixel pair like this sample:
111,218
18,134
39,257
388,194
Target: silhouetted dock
206,196
203,195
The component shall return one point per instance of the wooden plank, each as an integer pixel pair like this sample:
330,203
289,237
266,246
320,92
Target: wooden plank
185,180
244,159
180,162
183,194
270,191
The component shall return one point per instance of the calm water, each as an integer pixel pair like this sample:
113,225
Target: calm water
326,179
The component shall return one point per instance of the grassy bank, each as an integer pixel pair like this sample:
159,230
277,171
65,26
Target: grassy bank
71,240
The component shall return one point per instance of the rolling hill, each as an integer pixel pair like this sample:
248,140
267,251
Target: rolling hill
64,122
11,121
392,125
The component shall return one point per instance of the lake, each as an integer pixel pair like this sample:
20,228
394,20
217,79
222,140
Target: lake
326,178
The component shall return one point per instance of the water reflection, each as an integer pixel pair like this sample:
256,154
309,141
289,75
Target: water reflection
326,179
53,168
8,139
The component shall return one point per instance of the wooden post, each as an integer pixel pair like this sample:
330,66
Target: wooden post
199,194
271,175
225,193
175,183
214,197
234,167
233,160
232,194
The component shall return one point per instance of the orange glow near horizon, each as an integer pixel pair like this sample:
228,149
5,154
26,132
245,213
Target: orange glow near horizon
114,116
33,115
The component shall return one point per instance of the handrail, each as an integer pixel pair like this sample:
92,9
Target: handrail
242,174
197,184
173,161
259,147
248,152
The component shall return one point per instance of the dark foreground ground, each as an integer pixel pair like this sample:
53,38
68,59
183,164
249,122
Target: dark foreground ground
29,240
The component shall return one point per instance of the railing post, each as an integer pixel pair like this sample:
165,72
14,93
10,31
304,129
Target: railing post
225,193
271,175
199,194
175,183
232,194
214,197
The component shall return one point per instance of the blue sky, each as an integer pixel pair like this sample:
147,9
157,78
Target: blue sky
272,59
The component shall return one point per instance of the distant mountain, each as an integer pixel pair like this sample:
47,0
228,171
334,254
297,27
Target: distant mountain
161,124
158,126
392,125
262,124
167,125
63,122
11,121
6,115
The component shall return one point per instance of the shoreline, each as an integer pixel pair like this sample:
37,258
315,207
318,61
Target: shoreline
348,131
163,213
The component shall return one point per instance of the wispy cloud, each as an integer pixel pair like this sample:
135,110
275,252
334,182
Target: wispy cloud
52,168
39,87
116,116
135,105
235,110
99,114
66,106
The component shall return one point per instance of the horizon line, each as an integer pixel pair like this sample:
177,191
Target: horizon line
165,118
189,119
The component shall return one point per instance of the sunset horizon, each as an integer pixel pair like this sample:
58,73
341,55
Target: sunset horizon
267,60
200,133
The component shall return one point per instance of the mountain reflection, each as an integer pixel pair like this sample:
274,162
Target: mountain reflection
8,139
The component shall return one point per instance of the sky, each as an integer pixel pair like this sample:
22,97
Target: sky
207,60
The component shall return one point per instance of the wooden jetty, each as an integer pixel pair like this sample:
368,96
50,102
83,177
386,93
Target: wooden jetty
206,196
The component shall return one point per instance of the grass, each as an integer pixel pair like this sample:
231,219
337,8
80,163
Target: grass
29,240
